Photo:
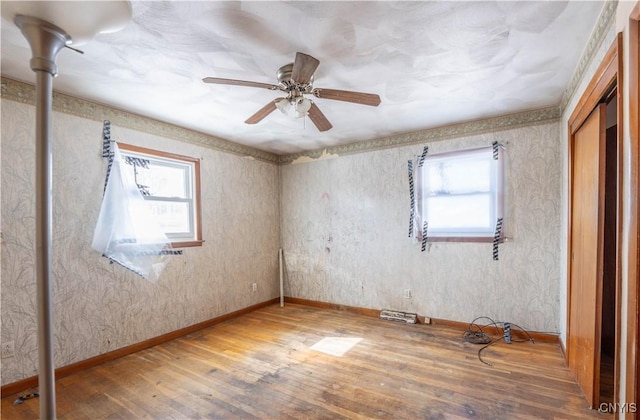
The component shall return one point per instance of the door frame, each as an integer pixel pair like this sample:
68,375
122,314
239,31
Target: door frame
607,76
633,298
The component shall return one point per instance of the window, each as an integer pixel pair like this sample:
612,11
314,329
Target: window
171,186
460,194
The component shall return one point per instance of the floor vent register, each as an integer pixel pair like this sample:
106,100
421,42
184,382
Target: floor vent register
398,316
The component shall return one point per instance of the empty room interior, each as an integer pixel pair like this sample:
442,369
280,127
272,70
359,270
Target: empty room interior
319,209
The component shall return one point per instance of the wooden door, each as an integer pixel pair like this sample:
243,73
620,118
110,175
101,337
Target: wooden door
586,273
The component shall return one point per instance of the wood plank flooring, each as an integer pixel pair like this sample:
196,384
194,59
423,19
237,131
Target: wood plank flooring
261,365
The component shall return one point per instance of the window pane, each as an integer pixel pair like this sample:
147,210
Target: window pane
174,217
170,185
164,180
459,175
460,196
471,213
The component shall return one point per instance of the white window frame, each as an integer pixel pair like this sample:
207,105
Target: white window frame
485,233
191,168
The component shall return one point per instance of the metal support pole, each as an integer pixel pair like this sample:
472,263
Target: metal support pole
46,374
46,40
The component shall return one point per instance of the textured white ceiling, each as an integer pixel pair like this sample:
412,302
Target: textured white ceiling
432,63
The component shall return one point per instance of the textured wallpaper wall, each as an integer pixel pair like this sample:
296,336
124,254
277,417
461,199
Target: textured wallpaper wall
345,236
99,306
343,227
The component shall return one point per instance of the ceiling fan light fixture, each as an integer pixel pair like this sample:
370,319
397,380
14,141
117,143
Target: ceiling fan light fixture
283,105
303,106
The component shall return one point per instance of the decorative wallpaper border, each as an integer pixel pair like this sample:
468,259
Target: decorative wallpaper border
25,93
486,125
597,36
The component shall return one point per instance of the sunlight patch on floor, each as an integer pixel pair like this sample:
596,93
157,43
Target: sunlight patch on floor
336,346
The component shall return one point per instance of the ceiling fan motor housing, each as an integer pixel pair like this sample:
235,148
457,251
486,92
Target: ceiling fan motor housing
284,78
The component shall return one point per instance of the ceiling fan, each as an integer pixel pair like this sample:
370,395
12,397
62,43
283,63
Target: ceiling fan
296,79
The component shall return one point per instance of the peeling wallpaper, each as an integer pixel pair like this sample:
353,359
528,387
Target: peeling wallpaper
99,307
345,239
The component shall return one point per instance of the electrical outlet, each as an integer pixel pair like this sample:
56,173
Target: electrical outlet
8,349
254,287
407,293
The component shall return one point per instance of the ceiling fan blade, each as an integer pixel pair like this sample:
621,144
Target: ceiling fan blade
318,118
219,81
303,68
262,112
348,96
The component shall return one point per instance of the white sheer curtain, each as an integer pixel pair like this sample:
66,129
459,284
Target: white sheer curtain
127,232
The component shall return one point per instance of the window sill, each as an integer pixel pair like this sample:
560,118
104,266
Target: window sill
479,239
186,244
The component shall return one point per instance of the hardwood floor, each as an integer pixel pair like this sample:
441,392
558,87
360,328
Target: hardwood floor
261,365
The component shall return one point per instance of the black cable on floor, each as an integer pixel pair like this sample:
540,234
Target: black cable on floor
484,347
475,334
